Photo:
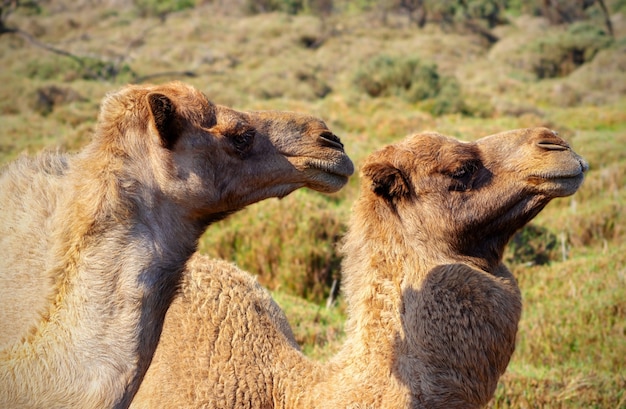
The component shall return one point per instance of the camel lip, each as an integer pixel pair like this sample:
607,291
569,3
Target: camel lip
556,178
341,167
330,184
569,175
337,172
341,170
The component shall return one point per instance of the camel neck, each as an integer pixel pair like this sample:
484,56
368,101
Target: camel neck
116,269
366,367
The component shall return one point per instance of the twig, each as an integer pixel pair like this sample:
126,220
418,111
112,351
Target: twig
607,18
32,40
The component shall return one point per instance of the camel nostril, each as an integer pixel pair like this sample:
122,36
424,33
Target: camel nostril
553,145
584,165
331,140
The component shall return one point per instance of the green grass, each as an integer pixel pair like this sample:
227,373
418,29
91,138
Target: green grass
572,337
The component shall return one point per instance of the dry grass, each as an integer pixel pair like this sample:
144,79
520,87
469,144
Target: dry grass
571,343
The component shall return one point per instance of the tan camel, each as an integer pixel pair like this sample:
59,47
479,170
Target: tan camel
94,244
433,312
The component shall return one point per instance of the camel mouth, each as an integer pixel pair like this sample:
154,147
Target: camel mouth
558,185
577,171
325,175
343,168
556,178
328,183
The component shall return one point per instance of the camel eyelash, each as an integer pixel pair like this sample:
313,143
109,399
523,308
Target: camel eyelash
464,171
463,175
243,140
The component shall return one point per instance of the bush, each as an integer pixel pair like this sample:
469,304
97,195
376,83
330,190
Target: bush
160,8
533,245
385,76
412,80
449,99
559,54
268,6
68,69
290,244
51,67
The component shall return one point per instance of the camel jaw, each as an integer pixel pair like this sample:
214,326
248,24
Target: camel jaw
558,186
327,175
561,182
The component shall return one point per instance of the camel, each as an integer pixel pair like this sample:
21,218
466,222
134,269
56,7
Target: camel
95,243
432,310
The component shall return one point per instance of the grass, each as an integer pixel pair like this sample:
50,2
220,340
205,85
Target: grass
572,337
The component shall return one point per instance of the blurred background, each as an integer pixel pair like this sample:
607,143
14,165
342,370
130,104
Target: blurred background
375,71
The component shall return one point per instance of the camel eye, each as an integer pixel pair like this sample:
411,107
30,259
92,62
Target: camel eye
463,175
243,140
460,174
466,171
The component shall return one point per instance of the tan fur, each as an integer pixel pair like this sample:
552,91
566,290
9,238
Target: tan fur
94,243
433,312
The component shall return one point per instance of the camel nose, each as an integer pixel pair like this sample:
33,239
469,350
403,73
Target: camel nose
550,141
584,165
331,140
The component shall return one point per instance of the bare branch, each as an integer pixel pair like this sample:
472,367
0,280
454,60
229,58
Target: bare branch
607,18
32,40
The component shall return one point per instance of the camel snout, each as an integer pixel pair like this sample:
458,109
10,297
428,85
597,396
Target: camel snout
584,165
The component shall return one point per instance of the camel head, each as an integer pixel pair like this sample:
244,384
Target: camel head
470,198
213,160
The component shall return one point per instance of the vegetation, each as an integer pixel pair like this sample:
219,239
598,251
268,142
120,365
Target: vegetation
376,71
559,54
411,79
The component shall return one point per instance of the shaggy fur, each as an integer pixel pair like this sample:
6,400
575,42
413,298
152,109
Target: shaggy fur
433,312
94,244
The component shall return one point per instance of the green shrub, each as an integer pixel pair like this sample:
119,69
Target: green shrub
385,76
290,244
51,67
449,99
534,245
68,69
268,6
96,69
559,54
160,8
412,80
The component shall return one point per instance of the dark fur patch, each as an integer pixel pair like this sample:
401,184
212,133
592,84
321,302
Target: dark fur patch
387,180
165,119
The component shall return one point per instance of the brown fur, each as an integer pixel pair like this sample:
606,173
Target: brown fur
433,312
94,243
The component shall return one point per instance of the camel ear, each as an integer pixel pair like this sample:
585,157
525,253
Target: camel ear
387,180
165,118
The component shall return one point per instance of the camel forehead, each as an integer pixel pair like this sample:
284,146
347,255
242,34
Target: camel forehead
430,152
289,120
187,98
229,117
523,136
174,90
190,103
